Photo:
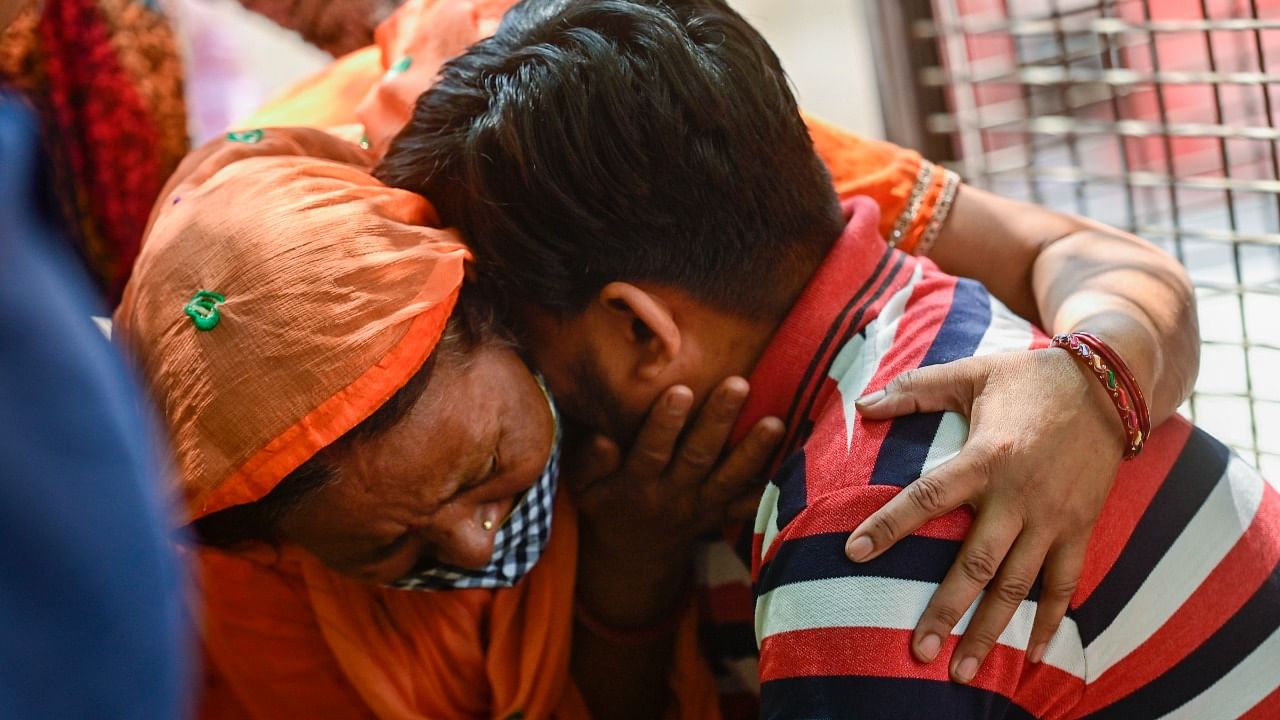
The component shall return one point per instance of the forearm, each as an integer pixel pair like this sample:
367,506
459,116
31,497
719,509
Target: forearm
623,672
1133,296
1066,273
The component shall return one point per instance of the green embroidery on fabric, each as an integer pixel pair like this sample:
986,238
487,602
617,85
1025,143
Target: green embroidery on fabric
245,136
203,310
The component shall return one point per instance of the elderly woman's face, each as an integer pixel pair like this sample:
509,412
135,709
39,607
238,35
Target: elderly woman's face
437,485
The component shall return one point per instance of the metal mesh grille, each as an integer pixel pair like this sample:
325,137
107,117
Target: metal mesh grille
1154,116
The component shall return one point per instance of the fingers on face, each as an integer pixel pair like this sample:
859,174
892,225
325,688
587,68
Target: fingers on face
657,439
744,467
596,460
705,440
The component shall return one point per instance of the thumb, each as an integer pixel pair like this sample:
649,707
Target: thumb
928,389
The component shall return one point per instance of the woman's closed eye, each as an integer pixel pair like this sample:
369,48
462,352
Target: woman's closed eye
384,552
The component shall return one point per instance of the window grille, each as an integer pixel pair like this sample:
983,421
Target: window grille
1156,116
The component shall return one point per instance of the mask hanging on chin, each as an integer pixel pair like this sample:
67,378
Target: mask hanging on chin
519,542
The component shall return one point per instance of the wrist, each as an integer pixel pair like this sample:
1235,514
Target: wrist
1114,377
624,586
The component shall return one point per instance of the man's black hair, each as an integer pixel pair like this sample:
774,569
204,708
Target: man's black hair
590,141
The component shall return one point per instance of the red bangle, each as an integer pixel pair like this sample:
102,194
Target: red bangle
1119,383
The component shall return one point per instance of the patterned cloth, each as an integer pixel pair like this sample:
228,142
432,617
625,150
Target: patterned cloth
1176,610
106,78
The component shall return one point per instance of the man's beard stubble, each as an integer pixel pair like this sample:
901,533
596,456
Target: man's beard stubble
595,410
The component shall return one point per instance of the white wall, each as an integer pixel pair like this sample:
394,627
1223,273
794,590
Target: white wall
825,48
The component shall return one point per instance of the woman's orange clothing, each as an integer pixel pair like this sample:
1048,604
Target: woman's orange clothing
285,637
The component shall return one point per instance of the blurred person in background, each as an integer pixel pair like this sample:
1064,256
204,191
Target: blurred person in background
90,612
105,78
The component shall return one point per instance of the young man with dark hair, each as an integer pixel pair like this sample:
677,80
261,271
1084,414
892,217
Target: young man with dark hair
637,183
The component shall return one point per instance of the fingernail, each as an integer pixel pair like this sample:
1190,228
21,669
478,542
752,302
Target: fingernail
929,646
967,668
1037,653
677,402
871,398
859,548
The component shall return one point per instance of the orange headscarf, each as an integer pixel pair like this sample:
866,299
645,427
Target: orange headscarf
330,291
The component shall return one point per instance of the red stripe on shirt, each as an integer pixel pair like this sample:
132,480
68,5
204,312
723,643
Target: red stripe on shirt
1135,485
885,652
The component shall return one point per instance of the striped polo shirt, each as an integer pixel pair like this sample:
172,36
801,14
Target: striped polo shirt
1177,613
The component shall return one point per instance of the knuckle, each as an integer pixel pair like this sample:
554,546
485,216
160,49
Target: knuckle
980,639
904,382
1001,449
1059,589
883,528
654,456
1012,591
945,615
928,495
698,459
979,565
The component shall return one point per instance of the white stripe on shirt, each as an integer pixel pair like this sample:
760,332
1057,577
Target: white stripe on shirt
1243,687
1216,527
895,604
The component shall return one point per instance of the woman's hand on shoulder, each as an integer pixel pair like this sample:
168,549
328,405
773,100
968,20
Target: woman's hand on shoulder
1044,447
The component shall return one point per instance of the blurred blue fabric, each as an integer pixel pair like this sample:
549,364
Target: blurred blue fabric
91,614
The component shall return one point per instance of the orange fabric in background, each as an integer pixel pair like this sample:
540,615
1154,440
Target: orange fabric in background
365,87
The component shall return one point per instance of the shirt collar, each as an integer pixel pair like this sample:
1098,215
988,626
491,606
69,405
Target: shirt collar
839,299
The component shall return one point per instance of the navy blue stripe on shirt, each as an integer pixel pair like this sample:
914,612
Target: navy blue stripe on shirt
1256,621
1198,469
902,455
880,698
793,493
821,557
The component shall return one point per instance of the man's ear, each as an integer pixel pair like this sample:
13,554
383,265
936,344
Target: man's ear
647,324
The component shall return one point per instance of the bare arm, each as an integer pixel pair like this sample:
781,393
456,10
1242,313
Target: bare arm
1066,273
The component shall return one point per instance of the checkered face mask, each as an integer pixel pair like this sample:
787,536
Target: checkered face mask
519,542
